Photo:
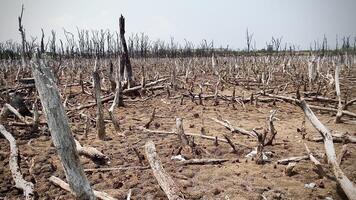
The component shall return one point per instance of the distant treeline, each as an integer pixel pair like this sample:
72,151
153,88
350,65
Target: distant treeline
106,44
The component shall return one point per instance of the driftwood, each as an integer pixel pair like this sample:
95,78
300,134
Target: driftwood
345,183
20,182
59,128
100,195
164,179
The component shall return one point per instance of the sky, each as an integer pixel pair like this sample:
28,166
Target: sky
299,22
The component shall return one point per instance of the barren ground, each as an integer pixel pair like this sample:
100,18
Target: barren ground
239,178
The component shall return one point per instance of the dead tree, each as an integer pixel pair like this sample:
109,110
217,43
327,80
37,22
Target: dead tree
345,183
248,40
20,182
59,128
100,125
125,67
164,179
23,40
338,94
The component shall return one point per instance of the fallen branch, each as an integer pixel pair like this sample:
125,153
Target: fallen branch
212,138
20,182
344,182
100,195
228,125
115,169
202,161
164,180
317,164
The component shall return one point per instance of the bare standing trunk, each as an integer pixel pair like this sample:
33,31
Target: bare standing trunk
338,94
127,73
100,125
60,131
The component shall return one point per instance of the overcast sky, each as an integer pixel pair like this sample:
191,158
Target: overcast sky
300,22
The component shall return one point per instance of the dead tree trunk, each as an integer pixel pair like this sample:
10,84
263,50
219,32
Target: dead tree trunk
100,125
164,180
345,183
126,71
60,131
338,94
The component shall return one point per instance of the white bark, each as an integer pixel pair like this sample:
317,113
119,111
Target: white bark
164,180
20,182
344,182
60,131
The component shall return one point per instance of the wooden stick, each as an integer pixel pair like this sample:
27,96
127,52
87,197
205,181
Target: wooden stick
203,161
115,169
342,154
344,182
20,182
212,138
234,129
100,195
164,179
317,164
285,161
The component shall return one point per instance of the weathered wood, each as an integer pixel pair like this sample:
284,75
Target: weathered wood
338,94
289,169
285,161
317,164
347,186
212,138
272,132
164,179
228,125
180,131
126,72
91,152
100,195
116,169
20,182
147,125
100,125
293,100
204,161
59,128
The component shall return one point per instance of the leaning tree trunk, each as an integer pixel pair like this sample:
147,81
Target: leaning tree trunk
345,183
60,131
125,69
